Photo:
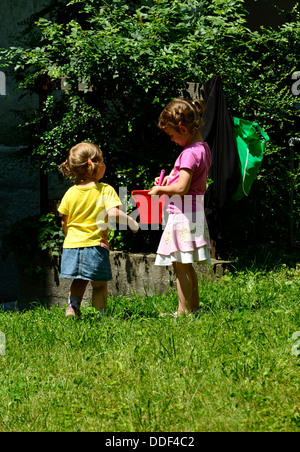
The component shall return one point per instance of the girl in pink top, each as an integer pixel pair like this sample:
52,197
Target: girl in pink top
185,239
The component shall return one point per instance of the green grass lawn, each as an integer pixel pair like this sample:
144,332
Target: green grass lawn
230,369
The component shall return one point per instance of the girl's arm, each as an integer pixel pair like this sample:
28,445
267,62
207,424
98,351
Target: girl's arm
64,223
179,188
115,214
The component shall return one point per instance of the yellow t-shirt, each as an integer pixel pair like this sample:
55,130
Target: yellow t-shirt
86,207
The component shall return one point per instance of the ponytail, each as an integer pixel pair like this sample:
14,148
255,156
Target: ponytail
199,104
182,112
65,169
83,161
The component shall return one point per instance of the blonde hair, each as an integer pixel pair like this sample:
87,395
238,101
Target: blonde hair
182,112
84,160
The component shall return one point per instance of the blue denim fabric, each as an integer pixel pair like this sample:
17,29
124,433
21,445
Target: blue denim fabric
89,263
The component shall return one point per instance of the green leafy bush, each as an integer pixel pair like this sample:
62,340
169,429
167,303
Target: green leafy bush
131,58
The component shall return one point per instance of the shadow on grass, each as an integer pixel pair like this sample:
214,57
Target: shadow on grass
262,256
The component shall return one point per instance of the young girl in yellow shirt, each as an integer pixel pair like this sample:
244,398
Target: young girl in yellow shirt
87,209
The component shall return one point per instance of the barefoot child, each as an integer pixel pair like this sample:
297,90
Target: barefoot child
185,239
85,208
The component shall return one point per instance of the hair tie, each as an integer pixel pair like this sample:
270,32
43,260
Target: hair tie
199,106
89,161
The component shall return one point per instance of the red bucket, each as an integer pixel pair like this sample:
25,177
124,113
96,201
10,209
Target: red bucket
150,208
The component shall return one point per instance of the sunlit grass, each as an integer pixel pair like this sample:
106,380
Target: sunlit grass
230,369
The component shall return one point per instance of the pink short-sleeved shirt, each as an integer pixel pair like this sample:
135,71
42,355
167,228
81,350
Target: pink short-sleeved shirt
197,158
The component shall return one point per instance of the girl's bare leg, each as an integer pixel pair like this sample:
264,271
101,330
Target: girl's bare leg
99,295
195,296
77,289
187,288
76,293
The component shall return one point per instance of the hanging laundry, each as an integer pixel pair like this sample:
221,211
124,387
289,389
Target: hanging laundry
224,171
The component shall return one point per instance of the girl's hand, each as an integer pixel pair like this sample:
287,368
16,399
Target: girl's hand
64,224
165,180
155,191
115,214
181,187
134,226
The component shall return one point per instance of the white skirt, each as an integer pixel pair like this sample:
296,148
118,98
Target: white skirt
200,255
185,238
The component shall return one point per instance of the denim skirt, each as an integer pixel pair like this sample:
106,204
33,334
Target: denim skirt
90,263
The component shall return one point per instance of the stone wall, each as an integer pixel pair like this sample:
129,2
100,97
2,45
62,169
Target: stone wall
132,274
19,180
